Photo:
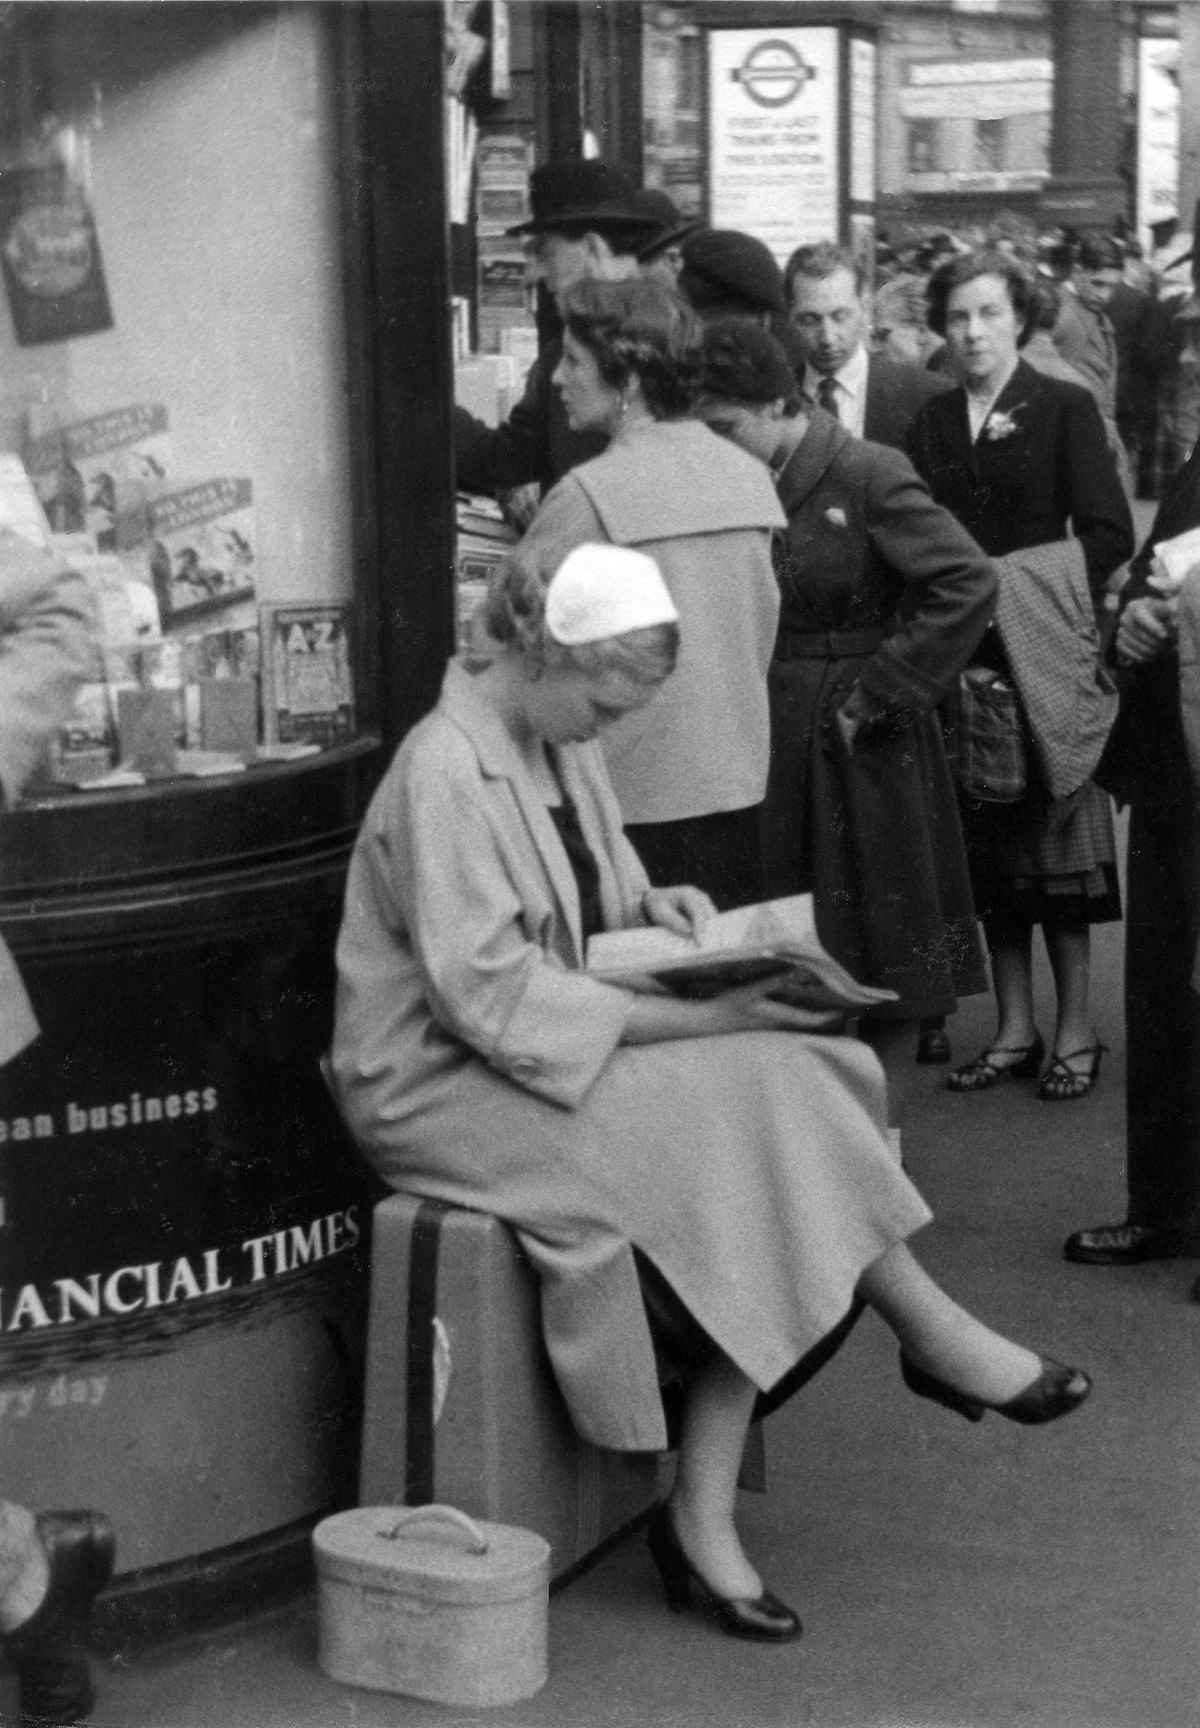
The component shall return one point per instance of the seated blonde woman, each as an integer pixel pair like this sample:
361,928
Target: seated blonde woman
732,1148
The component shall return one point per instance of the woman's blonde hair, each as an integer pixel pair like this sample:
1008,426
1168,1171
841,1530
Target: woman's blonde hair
514,613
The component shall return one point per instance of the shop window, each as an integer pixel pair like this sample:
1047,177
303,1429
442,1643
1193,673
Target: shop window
174,356
921,142
989,146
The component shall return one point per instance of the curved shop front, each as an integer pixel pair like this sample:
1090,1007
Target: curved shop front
184,1222
239,422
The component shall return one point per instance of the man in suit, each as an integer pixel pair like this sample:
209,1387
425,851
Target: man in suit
873,396
585,223
1146,766
51,1564
1083,333
1142,336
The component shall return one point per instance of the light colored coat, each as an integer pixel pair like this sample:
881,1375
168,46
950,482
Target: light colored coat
703,510
475,1064
46,648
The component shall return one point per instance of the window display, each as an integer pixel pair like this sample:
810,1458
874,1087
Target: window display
180,403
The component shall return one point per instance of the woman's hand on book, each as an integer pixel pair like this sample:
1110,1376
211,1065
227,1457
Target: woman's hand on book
752,1008
685,911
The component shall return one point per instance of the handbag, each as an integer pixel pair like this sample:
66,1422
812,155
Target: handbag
987,738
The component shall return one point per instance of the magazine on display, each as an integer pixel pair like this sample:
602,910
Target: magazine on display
307,680
772,938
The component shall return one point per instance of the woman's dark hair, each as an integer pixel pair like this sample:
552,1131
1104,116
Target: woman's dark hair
639,328
744,363
956,271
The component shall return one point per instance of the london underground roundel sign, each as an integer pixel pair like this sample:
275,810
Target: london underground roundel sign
773,73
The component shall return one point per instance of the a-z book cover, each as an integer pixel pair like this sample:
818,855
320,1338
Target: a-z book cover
308,686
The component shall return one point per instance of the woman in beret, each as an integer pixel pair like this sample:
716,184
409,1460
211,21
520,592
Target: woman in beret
884,597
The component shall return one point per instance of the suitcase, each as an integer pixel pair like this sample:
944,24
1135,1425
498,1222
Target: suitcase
461,1405
428,1603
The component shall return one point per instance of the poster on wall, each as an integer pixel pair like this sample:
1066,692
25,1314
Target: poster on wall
862,121
773,102
50,255
1158,133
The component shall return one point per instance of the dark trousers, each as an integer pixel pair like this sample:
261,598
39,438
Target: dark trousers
1162,1019
721,853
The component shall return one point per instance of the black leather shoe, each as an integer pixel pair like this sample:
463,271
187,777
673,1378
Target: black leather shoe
49,1651
1056,1392
1122,1245
933,1045
764,1617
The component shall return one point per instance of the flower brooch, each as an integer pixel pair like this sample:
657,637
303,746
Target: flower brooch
1000,425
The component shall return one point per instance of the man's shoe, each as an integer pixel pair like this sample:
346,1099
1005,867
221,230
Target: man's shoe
49,1650
1121,1245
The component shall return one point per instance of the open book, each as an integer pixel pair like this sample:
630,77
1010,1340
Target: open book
773,937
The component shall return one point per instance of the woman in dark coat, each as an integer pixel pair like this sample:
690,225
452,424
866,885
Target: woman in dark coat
1022,460
883,599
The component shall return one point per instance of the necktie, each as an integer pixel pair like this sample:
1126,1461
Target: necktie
827,396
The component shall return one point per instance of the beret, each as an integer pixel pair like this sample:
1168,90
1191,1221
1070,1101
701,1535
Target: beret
727,271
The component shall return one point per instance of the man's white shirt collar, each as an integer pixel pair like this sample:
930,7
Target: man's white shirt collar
851,384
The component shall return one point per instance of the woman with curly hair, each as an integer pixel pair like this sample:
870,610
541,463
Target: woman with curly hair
1023,461
690,770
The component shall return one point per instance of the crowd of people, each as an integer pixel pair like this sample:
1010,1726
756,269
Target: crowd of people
819,590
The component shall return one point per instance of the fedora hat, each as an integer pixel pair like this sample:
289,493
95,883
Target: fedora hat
673,225
582,195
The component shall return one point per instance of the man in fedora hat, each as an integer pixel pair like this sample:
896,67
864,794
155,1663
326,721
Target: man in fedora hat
586,222
661,257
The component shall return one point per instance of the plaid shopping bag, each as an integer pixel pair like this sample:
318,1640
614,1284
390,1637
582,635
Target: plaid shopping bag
987,738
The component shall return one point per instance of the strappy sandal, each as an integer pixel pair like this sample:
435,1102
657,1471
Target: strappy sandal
981,1074
1062,1084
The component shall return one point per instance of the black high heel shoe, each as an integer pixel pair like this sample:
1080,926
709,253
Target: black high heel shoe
764,1616
1056,1392
49,1650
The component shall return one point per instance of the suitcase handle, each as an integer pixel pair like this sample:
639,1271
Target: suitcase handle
443,1515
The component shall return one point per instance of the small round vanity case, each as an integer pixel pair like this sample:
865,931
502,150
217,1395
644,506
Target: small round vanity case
428,1602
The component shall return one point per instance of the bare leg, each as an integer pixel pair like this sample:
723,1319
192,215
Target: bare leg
1069,948
1012,974
716,1417
942,1338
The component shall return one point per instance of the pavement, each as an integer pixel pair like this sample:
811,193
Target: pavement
949,1575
